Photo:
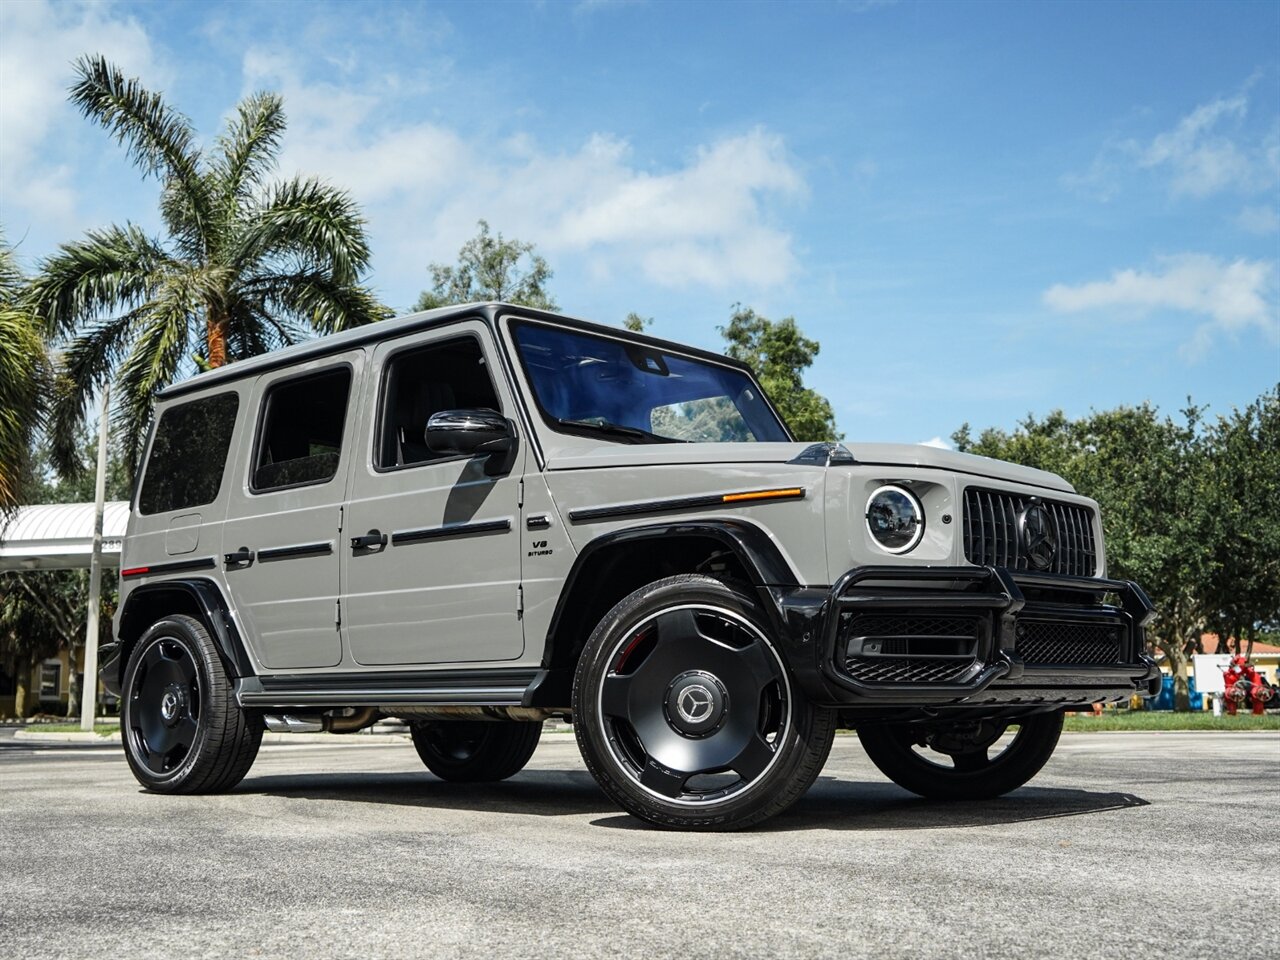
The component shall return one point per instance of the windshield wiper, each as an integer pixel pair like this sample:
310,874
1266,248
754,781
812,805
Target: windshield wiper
634,434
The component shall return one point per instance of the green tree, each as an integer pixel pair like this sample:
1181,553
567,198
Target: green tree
248,264
25,378
44,611
1242,480
637,323
780,353
1190,511
490,268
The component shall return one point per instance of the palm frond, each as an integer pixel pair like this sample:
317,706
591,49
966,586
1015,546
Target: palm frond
151,365
109,271
25,376
249,147
315,298
85,364
311,220
160,140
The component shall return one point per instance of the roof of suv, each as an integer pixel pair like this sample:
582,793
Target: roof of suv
389,329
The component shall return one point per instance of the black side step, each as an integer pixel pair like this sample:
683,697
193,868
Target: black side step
497,688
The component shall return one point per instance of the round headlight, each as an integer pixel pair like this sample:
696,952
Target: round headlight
895,519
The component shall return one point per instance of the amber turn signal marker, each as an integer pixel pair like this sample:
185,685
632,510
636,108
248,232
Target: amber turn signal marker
788,493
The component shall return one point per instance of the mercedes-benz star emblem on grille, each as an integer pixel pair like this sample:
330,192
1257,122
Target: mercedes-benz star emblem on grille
1039,539
695,704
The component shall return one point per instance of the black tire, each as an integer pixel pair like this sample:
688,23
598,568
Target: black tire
961,768
475,751
685,713
182,729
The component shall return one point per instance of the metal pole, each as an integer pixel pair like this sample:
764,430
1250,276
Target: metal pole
89,693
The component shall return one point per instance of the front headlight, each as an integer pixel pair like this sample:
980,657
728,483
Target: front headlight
895,519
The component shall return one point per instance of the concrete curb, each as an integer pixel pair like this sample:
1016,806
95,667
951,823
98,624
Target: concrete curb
556,732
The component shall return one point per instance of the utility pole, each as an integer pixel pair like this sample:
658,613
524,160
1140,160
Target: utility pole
89,694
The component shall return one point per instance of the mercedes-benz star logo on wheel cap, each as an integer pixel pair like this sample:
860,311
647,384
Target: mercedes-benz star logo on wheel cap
1039,539
695,703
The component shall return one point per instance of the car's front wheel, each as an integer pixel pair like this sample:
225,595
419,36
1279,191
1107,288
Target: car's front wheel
686,715
182,729
964,760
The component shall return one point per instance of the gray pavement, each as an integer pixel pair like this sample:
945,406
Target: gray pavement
351,849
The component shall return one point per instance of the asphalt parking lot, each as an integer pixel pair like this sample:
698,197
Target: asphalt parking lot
1127,845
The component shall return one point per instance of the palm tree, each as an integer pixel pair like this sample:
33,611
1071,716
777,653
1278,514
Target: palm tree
248,265
25,376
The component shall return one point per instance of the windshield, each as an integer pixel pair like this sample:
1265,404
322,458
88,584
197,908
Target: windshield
634,393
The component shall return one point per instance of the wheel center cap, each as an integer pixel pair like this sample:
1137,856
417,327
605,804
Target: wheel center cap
171,704
697,703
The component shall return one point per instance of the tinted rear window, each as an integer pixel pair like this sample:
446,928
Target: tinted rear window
188,454
300,441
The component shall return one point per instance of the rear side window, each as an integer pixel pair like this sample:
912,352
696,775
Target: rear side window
188,454
300,440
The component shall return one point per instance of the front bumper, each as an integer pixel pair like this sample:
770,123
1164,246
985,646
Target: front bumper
933,637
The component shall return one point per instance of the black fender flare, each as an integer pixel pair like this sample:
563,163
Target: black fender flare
750,544
140,609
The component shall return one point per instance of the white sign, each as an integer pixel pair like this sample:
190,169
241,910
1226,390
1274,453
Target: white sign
1208,668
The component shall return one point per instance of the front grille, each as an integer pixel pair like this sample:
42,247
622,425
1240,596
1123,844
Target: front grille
991,535
1058,641
907,669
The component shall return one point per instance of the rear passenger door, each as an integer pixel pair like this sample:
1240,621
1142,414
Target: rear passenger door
443,586
280,541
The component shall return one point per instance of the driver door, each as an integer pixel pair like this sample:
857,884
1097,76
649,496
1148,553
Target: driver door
443,586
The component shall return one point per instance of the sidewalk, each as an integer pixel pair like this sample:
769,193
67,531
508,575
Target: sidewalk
389,733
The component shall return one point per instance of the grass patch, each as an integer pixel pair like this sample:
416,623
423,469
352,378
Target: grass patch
1114,720
101,729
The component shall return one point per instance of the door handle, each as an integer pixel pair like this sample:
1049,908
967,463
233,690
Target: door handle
242,556
370,540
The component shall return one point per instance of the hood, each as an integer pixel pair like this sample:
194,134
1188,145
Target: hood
919,455
603,455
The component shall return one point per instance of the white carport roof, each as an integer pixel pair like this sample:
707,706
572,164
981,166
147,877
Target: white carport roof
59,536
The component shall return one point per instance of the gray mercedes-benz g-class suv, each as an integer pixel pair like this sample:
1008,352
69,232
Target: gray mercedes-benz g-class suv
484,516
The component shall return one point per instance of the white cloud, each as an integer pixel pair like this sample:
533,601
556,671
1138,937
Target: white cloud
1200,159
1236,296
38,42
936,442
1260,220
704,221
1210,150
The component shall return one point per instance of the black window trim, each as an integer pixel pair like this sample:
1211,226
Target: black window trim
140,477
513,322
264,406
384,374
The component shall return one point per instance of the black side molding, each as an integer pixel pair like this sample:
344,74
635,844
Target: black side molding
745,497
296,550
172,566
450,530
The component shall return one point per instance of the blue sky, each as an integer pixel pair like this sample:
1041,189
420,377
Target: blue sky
980,210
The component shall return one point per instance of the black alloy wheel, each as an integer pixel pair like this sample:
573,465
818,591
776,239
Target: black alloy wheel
165,706
182,728
963,760
475,751
686,715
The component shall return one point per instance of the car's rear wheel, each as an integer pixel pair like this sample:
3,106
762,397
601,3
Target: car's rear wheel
686,715
970,760
475,751
182,729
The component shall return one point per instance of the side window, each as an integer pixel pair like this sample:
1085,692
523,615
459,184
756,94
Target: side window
300,439
417,383
188,453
